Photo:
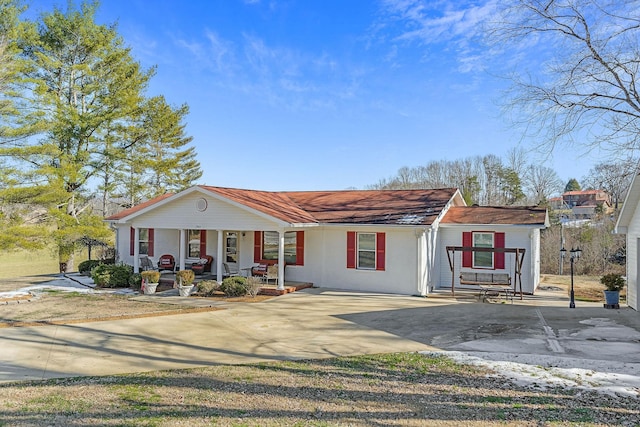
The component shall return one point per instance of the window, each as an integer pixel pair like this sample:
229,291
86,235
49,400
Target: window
483,259
270,246
266,246
366,251
483,239
145,241
193,245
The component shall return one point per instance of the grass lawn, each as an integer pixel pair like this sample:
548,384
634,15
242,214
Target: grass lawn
32,263
404,389
585,288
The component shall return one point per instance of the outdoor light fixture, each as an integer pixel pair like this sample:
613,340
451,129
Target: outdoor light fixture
574,255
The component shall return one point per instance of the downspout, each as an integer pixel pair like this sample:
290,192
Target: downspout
421,287
136,250
431,257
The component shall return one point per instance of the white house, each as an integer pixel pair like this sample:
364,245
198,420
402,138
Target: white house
629,223
391,241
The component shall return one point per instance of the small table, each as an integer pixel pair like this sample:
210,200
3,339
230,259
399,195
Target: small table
246,271
197,268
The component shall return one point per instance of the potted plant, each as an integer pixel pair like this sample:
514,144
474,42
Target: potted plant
150,280
613,283
184,279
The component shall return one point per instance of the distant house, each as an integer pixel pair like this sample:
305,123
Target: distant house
391,241
585,203
629,223
557,203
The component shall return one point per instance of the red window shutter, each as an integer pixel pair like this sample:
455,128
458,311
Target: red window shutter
380,251
498,257
299,247
132,242
351,249
257,246
151,237
203,243
467,241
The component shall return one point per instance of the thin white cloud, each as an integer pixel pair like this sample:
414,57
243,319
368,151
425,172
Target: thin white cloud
435,22
457,23
277,75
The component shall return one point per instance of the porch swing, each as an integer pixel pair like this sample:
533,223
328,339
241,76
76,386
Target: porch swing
487,281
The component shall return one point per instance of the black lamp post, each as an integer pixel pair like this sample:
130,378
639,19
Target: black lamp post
574,255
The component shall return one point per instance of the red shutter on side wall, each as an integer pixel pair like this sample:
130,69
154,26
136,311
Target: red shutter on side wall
299,247
380,251
257,246
351,249
467,257
132,242
498,242
203,243
151,238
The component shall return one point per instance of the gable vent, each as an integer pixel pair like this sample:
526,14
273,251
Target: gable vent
201,205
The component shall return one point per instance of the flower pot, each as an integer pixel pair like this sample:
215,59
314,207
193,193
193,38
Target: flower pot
185,291
150,288
612,297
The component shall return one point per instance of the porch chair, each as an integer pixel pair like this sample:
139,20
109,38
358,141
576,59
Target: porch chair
272,273
207,266
167,262
146,264
226,271
259,270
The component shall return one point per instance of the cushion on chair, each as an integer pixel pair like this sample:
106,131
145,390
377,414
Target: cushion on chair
259,270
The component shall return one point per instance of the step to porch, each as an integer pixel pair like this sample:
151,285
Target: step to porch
288,288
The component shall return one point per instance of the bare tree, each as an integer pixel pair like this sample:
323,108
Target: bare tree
516,160
541,182
613,177
585,83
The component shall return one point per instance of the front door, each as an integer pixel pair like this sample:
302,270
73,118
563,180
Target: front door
231,253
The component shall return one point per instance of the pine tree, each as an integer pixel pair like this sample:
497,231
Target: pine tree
81,82
572,185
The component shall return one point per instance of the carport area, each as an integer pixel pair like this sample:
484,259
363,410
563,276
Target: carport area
321,323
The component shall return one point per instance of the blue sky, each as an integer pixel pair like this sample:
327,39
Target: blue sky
326,94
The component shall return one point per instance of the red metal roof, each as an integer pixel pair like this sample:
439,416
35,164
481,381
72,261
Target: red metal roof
404,207
388,207
274,204
505,215
125,213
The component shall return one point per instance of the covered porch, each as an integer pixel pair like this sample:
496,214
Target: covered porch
235,252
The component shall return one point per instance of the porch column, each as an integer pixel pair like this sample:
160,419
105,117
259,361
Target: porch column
136,250
280,283
220,255
182,249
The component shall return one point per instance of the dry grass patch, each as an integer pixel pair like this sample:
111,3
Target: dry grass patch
406,389
58,307
586,288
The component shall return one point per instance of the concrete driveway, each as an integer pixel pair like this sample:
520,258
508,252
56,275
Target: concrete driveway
318,323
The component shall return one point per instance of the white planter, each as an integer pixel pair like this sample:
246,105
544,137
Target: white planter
150,288
185,291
